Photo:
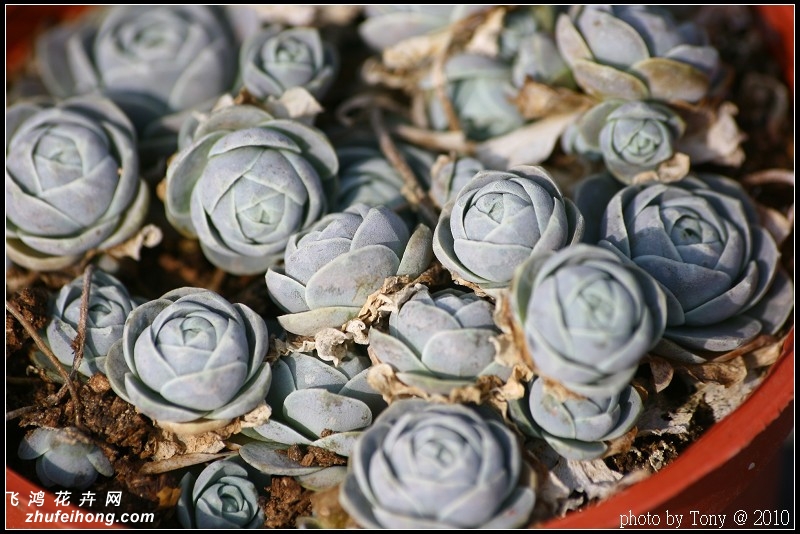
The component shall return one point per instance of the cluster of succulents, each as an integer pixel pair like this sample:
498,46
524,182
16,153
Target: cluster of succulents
518,278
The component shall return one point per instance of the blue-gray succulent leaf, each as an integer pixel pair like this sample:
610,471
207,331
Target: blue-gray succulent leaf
588,317
243,185
54,155
703,245
308,323
109,306
448,179
279,433
153,62
174,349
462,353
774,308
268,460
316,410
498,220
323,479
649,56
222,496
359,388
341,443
367,246
276,59
480,90
390,455
418,252
64,457
539,60
393,351
386,26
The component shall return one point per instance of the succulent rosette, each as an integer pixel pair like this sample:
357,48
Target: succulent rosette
701,239
277,59
221,496
153,61
314,403
332,267
191,356
387,25
72,181
64,457
109,307
367,177
587,317
630,137
499,219
426,465
449,178
576,428
636,53
481,94
440,341
244,182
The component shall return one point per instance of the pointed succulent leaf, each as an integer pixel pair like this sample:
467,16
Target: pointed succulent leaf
335,290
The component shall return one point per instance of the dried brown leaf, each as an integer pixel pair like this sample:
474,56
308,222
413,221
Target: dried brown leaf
179,462
662,372
712,135
528,145
536,100
728,373
672,170
148,236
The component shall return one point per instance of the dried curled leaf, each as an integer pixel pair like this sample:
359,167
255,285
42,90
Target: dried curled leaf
536,100
148,236
668,171
207,437
528,145
179,462
712,135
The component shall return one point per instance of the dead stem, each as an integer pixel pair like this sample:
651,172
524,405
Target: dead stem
42,346
22,380
217,279
411,190
79,343
19,412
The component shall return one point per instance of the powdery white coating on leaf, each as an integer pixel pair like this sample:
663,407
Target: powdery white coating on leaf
108,308
499,219
222,496
191,355
72,181
701,240
245,182
331,268
588,318
64,457
427,465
